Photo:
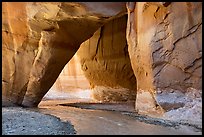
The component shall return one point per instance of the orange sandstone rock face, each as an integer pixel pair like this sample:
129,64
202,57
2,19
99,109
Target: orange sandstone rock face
40,38
161,59
17,57
165,49
105,62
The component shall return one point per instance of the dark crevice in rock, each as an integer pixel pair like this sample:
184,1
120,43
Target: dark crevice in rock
193,63
160,69
98,42
5,81
188,34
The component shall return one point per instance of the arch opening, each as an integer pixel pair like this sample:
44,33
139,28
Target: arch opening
100,71
38,52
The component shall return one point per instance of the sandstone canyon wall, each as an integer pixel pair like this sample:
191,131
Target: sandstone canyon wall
105,62
165,48
161,61
102,63
40,38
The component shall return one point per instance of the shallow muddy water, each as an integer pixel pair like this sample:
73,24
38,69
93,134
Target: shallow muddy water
92,121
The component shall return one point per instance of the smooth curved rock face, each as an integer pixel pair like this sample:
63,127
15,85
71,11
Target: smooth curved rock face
165,48
105,61
39,39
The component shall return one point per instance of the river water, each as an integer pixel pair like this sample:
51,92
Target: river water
103,122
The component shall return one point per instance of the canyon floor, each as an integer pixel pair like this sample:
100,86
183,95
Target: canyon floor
84,117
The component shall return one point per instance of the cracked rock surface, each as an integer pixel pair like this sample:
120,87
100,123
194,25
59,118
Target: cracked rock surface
165,48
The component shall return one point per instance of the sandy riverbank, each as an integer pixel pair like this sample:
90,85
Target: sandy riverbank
21,121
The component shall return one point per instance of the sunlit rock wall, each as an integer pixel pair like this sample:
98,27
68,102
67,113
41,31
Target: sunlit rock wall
161,60
39,38
105,62
101,64
165,49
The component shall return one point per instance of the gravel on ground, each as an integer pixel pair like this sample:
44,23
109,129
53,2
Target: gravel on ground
21,121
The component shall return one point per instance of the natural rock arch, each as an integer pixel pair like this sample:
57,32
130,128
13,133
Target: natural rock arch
46,44
164,46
